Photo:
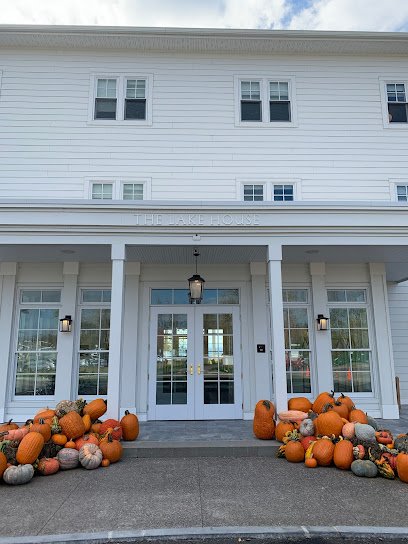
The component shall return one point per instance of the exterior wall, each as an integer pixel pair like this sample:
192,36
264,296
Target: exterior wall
398,301
339,149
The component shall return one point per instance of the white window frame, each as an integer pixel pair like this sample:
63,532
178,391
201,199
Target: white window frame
117,189
268,183
283,185
393,190
384,100
99,182
264,88
121,79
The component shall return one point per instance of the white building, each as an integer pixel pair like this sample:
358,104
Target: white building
281,156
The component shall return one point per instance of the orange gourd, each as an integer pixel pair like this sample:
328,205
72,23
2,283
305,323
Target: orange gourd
341,409
263,424
59,439
130,426
44,414
294,452
9,426
357,416
72,425
29,448
321,400
70,445
343,455
346,400
42,428
95,408
311,462
3,463
329,423
402,466
282,428
105,463
300,403
111,449
87,422
86,439
323,451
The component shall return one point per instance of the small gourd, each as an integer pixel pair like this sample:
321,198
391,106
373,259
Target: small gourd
311,462
307,428
19,475
365,469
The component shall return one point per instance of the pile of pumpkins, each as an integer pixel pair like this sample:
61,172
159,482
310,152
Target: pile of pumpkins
72,435
333,431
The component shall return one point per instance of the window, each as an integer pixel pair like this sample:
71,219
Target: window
350,343
94,342
253,193
102,191
279,104
36,352
402,193
135,99
121,98
265,102
282,193
297,345
133,191
251,105
397,103
106,99
180,296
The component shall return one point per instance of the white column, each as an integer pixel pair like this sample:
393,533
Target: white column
130,339
324,378
383,340
116,327
66,380
263,378
277,333
8,284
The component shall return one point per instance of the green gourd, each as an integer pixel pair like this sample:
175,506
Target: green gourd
365,469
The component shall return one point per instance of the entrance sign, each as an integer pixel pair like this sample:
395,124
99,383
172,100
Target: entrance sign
197,220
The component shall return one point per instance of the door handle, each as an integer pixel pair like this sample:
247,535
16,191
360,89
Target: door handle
198,369
191,370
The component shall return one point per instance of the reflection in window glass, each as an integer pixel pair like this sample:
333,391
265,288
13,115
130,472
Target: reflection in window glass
180,296
296,329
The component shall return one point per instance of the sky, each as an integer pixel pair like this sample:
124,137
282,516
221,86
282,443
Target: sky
370,15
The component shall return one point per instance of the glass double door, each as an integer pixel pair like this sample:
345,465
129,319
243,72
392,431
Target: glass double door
195,367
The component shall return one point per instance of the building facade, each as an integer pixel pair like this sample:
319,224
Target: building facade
280,156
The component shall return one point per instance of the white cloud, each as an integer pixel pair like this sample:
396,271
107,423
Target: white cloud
371,15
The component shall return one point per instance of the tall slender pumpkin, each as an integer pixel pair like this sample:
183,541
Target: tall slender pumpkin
29,448
130,426
264,425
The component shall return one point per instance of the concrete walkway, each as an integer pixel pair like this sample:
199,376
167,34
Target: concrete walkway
201,492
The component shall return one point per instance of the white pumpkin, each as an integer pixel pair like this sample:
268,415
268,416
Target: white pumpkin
90,456
19,475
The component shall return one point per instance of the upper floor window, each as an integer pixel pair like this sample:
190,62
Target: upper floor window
133,191
102,191
282,193
397,103
106,99
253,193
123,98
279,103
402,193
265,101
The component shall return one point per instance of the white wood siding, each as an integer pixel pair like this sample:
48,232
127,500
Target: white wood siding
193,150
398,302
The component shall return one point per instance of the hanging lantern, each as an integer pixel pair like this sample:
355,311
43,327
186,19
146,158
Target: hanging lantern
196,284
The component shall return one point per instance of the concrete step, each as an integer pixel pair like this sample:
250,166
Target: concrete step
201,448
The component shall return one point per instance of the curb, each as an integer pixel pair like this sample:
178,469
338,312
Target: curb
202,533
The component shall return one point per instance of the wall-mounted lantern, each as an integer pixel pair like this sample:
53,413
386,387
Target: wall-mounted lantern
322,322
65,324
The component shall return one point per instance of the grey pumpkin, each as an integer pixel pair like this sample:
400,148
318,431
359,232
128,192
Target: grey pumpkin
364,469
19,475
68,458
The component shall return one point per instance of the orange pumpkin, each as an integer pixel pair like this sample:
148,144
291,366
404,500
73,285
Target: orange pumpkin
311,462
300,403
70,445
264,425
114,426
357,416
59,439
321,400
112,450
282,428
329,423
44,414
402,467
29,448
95,408
3,463
341,409
346,400
72,425
294,452
343,455
9,426
105,463
323,451
130,426
86,439
87,422
42,428
96,427
46,467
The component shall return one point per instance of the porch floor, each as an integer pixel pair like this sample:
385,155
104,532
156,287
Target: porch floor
232,438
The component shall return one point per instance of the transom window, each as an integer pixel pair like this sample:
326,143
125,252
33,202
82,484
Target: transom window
251,105
297,346
282,193
350,342
397,103
102,191
279,103
36,350
402,193
133,191
253,193
180,296
106,99
135,99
